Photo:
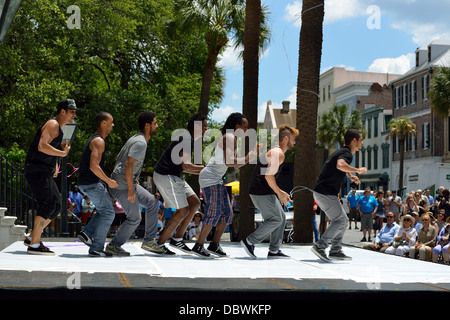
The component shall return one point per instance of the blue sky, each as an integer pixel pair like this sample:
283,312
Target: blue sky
355,36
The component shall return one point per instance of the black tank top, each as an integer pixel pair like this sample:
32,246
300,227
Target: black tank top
258,184
86,176
38,162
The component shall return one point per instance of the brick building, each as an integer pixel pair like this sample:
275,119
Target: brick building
426,152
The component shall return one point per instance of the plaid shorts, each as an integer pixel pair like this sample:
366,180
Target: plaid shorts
218,206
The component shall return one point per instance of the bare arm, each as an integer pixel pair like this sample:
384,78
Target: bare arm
49,132
97,147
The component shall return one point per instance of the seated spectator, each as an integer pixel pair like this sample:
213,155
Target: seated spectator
444,203
410,205
385,237
426,240
442,245
404,238
440,221
195,227
416,223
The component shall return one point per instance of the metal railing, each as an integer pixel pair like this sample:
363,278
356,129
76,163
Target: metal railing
16,195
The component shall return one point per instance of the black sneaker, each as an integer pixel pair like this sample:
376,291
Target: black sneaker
179,245
167,252
100,254
216,249
200,251
339,256
320,253
85,238
248,248
41,250
278,255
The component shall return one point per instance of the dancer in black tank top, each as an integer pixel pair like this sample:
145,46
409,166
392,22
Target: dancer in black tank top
269,198
41,168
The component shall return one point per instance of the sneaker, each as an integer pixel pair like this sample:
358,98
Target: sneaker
278,255
320,253
100,254
216,249
199,250
85,238
364,239
167,252
248,248
152,246
116,250
41,250
179,245
339,256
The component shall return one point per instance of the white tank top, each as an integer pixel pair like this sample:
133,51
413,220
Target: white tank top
213,172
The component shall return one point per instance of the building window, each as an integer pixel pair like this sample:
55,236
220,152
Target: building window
425,136
413,91
425,86
369,128
375,127
375,157
397,97
385,155
369,158
404,95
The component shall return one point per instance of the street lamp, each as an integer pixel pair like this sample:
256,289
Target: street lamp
69,131
8,9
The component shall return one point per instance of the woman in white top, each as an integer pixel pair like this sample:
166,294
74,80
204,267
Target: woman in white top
405,237
218,210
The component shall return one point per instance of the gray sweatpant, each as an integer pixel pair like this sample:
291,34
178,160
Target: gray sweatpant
339,221
133,214
274,221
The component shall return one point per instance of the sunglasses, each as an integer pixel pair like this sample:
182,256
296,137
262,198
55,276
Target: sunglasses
389,216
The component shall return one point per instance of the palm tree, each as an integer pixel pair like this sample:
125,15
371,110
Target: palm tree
401,128
335,122
249,106
439,92
310,53
221,20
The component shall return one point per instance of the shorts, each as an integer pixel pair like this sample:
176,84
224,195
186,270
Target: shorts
46,193
366,221
218,206
174,190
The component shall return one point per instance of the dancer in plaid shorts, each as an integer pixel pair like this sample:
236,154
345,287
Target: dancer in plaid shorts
218,210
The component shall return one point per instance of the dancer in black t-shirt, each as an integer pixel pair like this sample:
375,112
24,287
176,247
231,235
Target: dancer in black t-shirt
326,193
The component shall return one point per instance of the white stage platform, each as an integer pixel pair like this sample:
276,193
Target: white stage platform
370,268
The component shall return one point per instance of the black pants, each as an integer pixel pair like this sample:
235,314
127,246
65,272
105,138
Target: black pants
46,193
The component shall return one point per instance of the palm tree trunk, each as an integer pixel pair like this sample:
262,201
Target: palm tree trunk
310,53
401,144
208,75
250,107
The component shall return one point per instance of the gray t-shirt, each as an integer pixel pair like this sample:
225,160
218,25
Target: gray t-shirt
135,148
392,206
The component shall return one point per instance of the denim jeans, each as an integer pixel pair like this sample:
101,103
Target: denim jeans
133,214
98,227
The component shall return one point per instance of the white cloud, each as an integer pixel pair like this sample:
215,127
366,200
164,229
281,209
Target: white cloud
222,113
230,58
335,10
398,65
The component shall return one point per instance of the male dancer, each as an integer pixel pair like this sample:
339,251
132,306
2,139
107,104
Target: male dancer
264,192
174,189
129,193
218,210
90,173
326,191
40,169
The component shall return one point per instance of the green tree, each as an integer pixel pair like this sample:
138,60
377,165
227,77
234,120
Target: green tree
401,128
439,92
335,122
310,52
220,21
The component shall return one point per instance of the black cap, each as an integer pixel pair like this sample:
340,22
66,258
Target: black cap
67,104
